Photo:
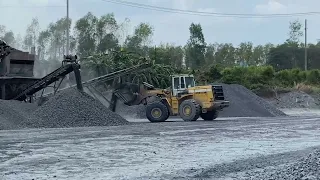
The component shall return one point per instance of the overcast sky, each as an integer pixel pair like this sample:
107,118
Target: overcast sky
173,28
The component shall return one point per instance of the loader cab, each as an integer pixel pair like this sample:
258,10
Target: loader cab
181,82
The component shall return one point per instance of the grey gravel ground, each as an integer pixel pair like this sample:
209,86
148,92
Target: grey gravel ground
137,111
286,165
72,108
306,168
245,103
295,99
222,149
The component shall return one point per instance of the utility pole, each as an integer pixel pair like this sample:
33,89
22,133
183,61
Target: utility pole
155,53
67,48
305,46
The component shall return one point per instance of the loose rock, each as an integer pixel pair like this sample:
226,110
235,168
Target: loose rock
305,168
295,99
72,108
245,103
13,114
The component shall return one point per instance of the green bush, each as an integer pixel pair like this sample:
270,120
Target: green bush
261,77
234,75
313,77
284,78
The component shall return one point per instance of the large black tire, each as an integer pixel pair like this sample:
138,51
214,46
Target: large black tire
210,115
189,110
157,112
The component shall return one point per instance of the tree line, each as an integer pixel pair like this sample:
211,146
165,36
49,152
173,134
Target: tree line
94,36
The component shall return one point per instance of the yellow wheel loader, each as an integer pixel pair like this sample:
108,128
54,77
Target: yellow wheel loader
183,99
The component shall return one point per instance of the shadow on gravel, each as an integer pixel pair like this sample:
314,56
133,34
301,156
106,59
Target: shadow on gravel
228,170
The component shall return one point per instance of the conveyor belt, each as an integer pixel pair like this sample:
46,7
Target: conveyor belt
46,81
115,74
110,76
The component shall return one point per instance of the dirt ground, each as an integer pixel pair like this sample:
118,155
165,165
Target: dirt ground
222,149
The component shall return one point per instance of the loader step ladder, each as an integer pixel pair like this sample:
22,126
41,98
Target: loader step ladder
218,92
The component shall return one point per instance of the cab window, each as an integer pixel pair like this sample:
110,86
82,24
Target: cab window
190,82
183,85
176,83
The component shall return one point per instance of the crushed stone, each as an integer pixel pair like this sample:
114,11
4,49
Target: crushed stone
295,99
13,114
68,108
307,168
135,112
245,103
72,108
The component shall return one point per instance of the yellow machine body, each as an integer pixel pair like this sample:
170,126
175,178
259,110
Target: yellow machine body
183,92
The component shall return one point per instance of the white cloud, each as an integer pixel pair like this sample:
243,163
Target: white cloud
183,4
271,7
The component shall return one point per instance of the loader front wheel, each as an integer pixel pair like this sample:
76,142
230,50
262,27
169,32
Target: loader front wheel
157,112
189,110
210,115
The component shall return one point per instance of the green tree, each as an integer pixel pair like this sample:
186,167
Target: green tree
225,55
106,33
43,43
282,57
196,47
167,54
295,33
94,34
245,53
85,29
9,38
32,32
210,54
141,38
258,57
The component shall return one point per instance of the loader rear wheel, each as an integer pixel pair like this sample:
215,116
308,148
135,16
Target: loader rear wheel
189,110
157,112
210,115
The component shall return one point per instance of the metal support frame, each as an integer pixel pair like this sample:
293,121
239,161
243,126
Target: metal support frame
56,88
95,89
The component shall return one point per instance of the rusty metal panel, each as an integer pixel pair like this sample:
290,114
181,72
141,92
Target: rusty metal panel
25,70
20,55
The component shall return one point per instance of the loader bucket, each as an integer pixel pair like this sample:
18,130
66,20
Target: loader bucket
128,93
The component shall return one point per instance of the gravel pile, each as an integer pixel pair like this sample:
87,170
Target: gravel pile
295,99
14,114
72,108
306,168
245,103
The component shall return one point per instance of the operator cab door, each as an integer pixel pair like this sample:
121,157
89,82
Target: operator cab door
178,85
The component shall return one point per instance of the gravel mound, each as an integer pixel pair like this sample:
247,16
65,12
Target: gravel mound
305,168
72,108
245,103
14,114
295,99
